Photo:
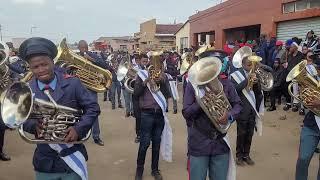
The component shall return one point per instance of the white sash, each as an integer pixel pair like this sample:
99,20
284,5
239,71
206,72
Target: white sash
312,71
317,118
232,166
238,77
75,161
173,87
166,137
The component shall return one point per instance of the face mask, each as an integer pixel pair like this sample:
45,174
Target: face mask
224,64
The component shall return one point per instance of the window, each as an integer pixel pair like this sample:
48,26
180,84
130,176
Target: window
183,42
314,3
301,5
288,7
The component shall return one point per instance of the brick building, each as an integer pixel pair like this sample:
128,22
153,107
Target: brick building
156,36
123,43
247,19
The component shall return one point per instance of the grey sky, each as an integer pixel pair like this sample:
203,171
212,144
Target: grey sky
90,19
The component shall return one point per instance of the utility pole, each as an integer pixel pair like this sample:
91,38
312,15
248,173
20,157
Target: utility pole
0,33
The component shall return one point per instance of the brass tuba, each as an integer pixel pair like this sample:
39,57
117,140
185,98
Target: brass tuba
128,73
187,61
309,87
265,77
203,75
19,105
155,70
5,80
93,77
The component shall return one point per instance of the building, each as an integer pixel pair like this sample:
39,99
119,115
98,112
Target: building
156,36
124,43
247,19
183,37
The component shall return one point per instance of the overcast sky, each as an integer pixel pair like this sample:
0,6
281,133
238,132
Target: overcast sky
90,19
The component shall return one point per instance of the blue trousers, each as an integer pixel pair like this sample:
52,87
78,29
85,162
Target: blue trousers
152,125
95,126
115,88
216,165
127,101
309,140
57,176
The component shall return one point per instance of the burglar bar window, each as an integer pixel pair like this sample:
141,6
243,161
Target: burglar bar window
301,5
314,3
288,7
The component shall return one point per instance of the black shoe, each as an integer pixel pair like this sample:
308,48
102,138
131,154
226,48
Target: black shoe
127,114
286,107
175,111
271,108
295,108
120,106
156,174
137,140
240,162
113,107
301,112
249,161
4,157
104,99
99,142
317,150
132,114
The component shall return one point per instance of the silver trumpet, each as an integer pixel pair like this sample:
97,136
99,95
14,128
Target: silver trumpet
19,105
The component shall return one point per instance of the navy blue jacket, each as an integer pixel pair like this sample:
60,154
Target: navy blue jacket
68,92
310,122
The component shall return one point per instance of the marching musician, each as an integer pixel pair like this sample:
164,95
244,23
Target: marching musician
67,91
207,149
152,120
251,102
95,59
116,85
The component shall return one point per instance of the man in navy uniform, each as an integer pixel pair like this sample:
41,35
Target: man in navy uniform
96,60
66,91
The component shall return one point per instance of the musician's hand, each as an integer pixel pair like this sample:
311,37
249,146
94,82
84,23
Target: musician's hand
145,82
72,135
254,78
223,119
39,129
313,104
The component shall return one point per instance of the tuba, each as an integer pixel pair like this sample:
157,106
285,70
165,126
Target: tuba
155,70
203,75
187,61
127,73
309,87
19,105
93,77
5,80
265,77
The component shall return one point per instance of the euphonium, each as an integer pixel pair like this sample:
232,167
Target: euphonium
203,75
155,70
19,105
265,78
92,76
309,87
5,80
127,73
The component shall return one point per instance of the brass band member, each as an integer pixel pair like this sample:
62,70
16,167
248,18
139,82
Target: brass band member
67,91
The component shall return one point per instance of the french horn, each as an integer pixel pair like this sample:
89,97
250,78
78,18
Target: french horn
19,106
265,77
203,75
309,87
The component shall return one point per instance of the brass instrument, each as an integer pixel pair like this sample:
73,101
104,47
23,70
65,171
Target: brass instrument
128,73
187,61
203,75
5,80
19,105
93,77
27,77
265,78
203,49
309,87
155,70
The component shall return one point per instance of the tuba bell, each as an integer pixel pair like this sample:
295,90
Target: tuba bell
265,77
309,87
93,77
155,70
187,61
5,80
19,105
128,73
203,75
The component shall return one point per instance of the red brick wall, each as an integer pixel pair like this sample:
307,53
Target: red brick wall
239,13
